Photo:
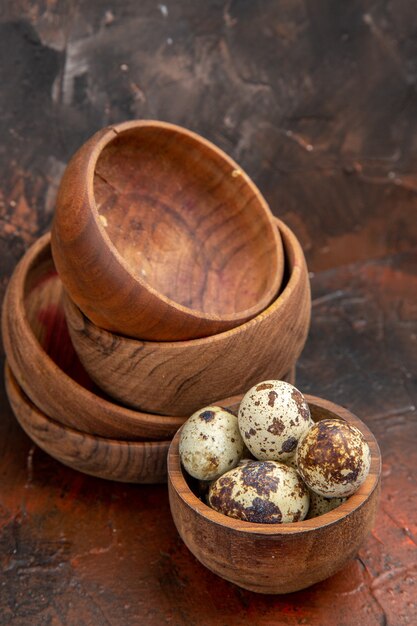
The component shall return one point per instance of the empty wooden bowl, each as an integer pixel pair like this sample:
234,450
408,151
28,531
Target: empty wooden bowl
125,461
143,462
276,558
41,356
159,235
181,377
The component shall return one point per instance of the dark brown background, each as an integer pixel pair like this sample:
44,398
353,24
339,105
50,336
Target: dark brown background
318,102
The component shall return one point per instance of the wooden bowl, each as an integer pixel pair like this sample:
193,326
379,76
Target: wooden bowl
125,461
159,235
42,358
276,558
181,377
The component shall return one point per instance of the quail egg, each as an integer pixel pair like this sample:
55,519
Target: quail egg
320,505
272,417
261,491
210,443
333,458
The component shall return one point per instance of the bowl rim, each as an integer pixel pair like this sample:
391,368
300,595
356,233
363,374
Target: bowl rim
16,389
14,298
177,482
109,134
160,424
292,248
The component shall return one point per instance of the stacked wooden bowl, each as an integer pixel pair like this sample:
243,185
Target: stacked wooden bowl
167,285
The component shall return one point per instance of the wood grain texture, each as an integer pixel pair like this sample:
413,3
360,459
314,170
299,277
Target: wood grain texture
158,235
263,80
181,377
130,462
277,558
119,557
142,462
41,356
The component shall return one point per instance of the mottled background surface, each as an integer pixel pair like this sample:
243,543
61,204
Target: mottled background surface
318,102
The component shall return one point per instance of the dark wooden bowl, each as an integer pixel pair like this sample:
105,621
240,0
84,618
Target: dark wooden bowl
125,461
276,558
159,235
181,377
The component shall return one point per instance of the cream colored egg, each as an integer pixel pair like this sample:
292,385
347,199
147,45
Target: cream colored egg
333,458
210,443
261,491
319,505
273,415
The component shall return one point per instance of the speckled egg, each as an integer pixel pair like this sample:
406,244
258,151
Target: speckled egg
261,491
333,458
273,415
319,505
210,443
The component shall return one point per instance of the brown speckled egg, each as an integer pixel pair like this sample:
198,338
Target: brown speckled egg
210,443
272,417
261,491
333,458
320,505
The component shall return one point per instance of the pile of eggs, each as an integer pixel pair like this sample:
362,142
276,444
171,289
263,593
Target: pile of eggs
299,469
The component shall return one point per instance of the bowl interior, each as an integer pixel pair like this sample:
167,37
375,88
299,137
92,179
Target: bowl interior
43,304
190,489
187,221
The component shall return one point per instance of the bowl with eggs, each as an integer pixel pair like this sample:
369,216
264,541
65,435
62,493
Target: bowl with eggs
284,505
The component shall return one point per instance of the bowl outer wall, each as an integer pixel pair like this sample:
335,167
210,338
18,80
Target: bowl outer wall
178,378
40,377
117,299
276,558
142,462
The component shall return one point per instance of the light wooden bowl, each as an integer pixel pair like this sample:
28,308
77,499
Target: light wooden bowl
159,235
125,461
276,558
42,358
181,377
